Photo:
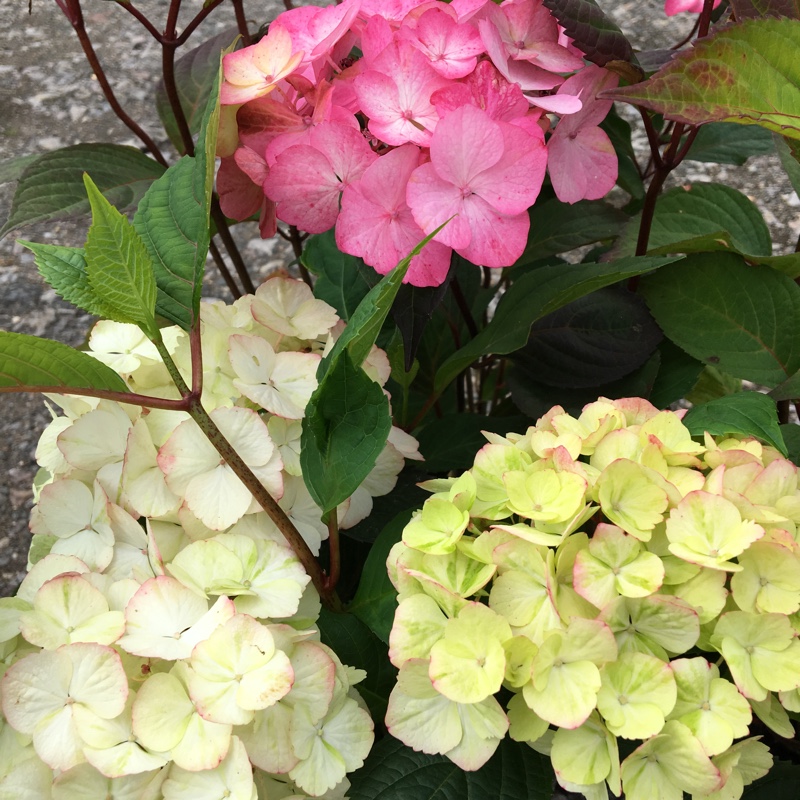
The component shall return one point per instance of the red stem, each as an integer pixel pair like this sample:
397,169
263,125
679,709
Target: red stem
73,12
241,22
130,398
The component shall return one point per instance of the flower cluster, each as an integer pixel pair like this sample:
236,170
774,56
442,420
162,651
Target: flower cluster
616,579
388,119
163,642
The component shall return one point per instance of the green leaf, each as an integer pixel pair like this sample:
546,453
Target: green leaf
746,73
195,78
343,281
702,217
534,295
559,227
750,9
534,398
415,305
677,374
376,598
779,784
789,153
619,131
172,220
64,268
744,414
595,339
729,143
12,168
788,390
33,364
740,318
791,436
711,384
52,187
118,265
393,771
346,425
357,646
593,33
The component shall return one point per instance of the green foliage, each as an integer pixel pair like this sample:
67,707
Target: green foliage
535,295
172,220
118,265
729,143
699,218
752,9
723,312
559,227
742,414
780,784
345,428
357,646
592,31
29,362
589,341
755,79
12,168
789,153
51,187
342,280
395,772
64,268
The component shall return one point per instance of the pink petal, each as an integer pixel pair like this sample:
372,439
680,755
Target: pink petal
487,89
528,76
497,240
433,201
588,83
467,142
582,165
557,103
395,95
305,188
451,49
239,197
512,185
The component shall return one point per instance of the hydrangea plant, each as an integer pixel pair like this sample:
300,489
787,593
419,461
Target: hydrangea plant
617,587
601,578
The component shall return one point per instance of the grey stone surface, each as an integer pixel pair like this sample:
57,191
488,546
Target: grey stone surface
49,99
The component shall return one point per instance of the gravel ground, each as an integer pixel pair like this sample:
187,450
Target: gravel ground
49,99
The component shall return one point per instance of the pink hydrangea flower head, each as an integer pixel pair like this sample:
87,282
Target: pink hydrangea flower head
396,93
581,159
673,7
256,70
451,48
485,174
307,180
376,223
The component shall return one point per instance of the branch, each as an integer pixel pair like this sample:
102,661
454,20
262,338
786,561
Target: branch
73,12
129,398
267,502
